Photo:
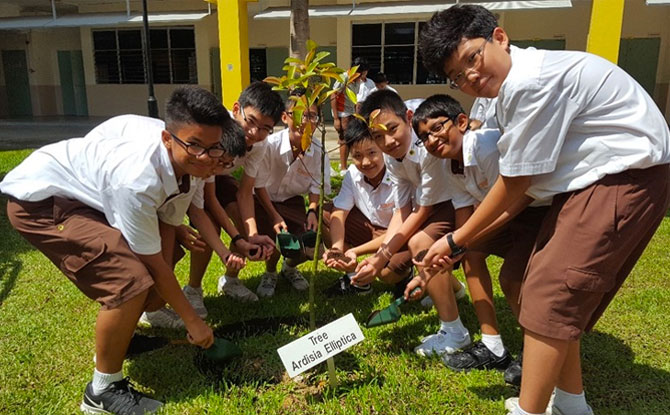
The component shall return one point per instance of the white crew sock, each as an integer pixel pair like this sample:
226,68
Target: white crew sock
454,328
569,403
102,380
519,411
494,343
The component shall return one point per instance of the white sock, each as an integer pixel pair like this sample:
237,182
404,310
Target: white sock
494,343
286,266
519,411
569,403
227,279
102,380
455,328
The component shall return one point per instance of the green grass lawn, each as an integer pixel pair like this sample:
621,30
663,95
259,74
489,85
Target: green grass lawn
47,346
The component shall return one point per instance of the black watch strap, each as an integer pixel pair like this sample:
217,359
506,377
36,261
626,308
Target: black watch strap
455,249
236,238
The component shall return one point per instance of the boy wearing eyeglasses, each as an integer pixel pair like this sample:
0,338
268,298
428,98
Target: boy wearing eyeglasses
230,204
286,174
103,208
578,129
361,213
443,128
426,196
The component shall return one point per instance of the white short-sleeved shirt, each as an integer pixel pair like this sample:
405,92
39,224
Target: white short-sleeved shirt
120,168
283,177
480,163
422,179
570,118
484,110
377,204
365,89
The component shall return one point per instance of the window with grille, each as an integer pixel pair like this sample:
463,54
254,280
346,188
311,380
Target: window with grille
392,48
119,56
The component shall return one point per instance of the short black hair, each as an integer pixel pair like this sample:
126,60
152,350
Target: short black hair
379,77
260,96
357,131
384,99
444,31
196,105
438,105
232,138
362,64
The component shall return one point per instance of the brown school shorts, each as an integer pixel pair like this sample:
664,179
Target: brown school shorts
226,189
514,242
587,245
358,230
441,221
81,243
292,210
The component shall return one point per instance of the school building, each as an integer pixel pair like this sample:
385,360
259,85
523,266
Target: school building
86,57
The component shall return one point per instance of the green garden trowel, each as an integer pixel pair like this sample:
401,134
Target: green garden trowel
222,350
387,315
289,245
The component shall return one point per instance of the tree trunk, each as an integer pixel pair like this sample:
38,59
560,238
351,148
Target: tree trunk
299,25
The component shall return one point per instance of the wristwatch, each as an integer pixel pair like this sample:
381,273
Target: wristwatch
455,249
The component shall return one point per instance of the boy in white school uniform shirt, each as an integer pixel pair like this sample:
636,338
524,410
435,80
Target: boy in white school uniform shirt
257,110
360,215
579,129
103,209
426,196
286,174
441,124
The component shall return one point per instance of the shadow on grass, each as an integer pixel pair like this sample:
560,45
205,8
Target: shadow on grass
612,379
11,245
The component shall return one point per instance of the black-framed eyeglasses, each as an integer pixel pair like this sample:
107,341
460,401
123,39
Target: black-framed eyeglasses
198,150
435,129
253,124
307,116
471,64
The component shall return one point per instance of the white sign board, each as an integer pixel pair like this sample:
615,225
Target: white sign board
317,346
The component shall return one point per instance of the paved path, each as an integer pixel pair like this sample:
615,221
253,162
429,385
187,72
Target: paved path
16,134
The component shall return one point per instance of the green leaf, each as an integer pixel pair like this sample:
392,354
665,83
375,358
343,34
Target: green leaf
293,60
272,80
322,55
311,45
351,94
306,140
360,117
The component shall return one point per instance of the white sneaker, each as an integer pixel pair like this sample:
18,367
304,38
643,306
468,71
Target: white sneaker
233,288
164,318
441,343
295,278
427,302
512,403
194,297
268,284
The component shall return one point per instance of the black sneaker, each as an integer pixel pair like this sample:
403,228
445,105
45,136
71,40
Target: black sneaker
513,371
477,356
120,398
343,286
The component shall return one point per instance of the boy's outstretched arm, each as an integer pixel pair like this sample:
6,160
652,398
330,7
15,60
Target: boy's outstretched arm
245,203
209,233
505,193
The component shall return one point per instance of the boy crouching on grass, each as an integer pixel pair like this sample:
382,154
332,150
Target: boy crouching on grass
94,207
443,128
286,174
425,195
580,130
361,214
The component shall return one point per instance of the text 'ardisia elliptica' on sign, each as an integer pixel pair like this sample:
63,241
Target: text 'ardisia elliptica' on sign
317,346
